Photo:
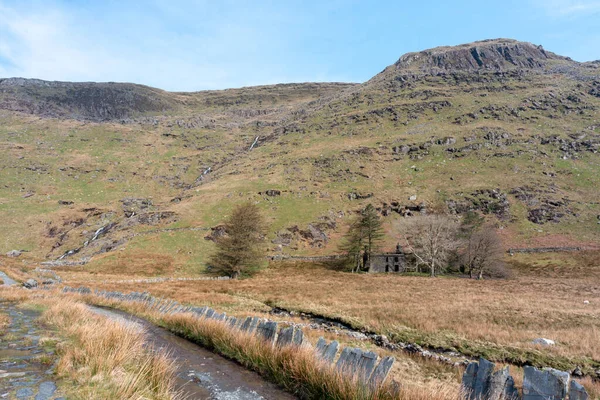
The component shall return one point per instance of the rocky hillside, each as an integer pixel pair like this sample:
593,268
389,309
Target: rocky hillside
500,127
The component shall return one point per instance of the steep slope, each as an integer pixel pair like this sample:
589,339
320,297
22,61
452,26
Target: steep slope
499,127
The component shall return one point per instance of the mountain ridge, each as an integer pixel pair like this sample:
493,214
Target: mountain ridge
518,146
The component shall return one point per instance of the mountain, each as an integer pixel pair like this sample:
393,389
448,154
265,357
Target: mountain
127,172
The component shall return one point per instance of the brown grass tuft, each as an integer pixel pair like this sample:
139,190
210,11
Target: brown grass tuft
106,359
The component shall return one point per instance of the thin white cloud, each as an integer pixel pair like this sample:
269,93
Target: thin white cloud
568,8
57,42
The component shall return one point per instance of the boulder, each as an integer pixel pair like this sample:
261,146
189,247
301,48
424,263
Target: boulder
544,342
14,253
30,283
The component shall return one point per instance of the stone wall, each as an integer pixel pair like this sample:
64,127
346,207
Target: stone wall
544,250
482,382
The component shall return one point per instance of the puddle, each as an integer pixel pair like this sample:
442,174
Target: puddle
202,374
22,376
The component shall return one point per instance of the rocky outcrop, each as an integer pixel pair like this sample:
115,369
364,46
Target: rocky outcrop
488,201
494,55
542,204
85,100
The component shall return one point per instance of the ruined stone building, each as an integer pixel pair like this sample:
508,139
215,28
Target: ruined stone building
390,262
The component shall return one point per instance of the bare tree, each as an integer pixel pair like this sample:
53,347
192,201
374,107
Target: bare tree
432,239
483,253
241,250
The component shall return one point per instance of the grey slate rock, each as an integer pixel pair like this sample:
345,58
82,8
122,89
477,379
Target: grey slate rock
469,378
24,393
268,330
577,391
381,371
331,351
46,391
501,386
285,336
250,324
482,380
297,336
30,283
320,346
366,365
341,362
547,384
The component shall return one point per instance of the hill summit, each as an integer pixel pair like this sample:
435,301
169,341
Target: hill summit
493,54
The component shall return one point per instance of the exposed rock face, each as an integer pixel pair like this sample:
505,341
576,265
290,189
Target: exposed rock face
315,234
495,55
216,233
85,100
133,206
488,201
542,207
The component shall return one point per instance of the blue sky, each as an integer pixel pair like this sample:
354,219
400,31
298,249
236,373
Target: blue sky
194,45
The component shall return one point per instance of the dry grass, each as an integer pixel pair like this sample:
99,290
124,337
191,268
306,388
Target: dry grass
4,323
106,359
494,318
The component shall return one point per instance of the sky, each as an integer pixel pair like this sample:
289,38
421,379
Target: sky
185,45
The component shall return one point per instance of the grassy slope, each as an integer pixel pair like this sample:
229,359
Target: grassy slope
319,142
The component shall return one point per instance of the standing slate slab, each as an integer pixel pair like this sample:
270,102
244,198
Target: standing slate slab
351,366
268,330
285,336
297,336
577,392
341,362
469,378
502,386
381,371
547,384
366,365
250,324
232,321
209,313
482,380
330,351
320,346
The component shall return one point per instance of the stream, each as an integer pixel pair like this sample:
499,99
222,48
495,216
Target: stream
22,375
202,374
6,280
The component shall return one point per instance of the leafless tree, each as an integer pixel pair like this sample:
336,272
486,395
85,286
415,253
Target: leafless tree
431,239
483,253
